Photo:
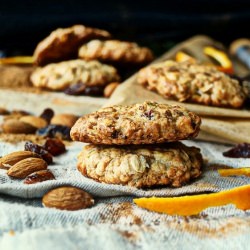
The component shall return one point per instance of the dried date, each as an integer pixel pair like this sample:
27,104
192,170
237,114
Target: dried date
39,176
54,146
239,151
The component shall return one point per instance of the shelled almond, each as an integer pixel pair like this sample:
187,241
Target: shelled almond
26,166
14,126
67,198
34,121
64,120
11,159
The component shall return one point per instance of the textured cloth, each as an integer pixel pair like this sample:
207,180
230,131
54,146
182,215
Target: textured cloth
114,222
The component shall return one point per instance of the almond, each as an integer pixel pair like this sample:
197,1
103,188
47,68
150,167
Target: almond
109,89
39,176
10,159
64,119
12,117
67,198
35,121
25,167
14,126
4,111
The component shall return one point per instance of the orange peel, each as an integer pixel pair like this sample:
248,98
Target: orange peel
221,57
17,60
234,171
194,204
184,57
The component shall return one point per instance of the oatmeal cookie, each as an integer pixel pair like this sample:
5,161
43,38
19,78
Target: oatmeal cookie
63,43
190,82
59,76
171,164
145,123
115,51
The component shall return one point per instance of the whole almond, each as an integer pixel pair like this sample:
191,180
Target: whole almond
25,167
10,159
14,126
12,117
67,198
35,121
19,112
39,176
4,111
110,88
64,119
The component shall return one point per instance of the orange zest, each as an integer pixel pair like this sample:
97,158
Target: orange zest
194,204
17,60
234,171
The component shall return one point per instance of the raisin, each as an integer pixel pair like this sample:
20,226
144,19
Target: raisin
54,146
149,114
47,114
55,131
94,90
39,176
114,134
75,89
82,89
30,146
239,151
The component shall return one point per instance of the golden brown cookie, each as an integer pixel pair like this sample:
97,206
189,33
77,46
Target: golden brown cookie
59,76
63,43
170,164
191,82
115,51
145,123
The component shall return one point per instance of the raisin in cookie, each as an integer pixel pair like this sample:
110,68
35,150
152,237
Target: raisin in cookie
59,76
145,123
190,82
115,51
63,43
170,164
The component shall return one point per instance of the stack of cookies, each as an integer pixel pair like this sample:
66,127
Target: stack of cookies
137,145
84,60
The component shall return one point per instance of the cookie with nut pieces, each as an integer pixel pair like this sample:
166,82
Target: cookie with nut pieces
115,51
59,76
63,43
145,123
170,164
192,82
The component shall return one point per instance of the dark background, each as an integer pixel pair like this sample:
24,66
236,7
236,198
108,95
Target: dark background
158,24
